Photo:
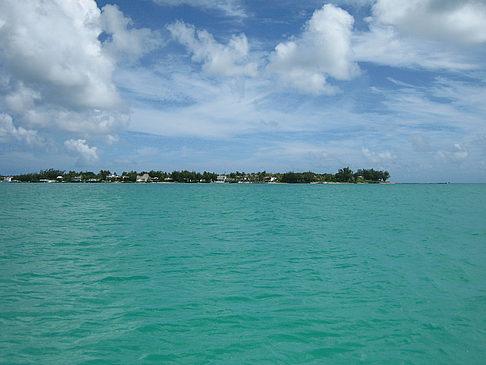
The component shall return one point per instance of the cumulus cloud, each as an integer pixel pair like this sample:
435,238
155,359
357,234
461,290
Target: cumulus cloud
79,148
9,132
459,21
123,40
217,59
322,51
228,7
52,48
55,72
23,98
422,33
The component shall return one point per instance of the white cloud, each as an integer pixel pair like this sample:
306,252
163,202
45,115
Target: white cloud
23,98
294,150
462,95
223,118
210,108
377,157
322,155
430,34
110,139
52,48
445,105
459,21
420,144
322,51
459,152
90,122
353,3
228,7
79,148
455,153
443,151
9,133
383,45
124,41
56,74
217,59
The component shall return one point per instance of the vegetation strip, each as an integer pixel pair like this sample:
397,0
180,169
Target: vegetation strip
345,175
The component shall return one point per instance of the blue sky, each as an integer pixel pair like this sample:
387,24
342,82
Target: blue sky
225,85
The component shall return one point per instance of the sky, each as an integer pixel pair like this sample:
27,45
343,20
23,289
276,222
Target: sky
247,85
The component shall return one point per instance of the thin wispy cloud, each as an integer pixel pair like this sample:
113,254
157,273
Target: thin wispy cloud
231,8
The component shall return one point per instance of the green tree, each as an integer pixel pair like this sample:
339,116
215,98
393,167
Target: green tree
345,175
308,177
103,174
50,174
209,177
132,176
69,177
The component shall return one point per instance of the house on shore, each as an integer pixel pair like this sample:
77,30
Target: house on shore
143,179
112,177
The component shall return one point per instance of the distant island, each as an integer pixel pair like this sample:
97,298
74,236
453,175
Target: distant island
344,175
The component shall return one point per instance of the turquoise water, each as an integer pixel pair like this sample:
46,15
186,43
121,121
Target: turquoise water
242,274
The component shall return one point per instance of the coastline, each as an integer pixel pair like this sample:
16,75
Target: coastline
343,176
213,183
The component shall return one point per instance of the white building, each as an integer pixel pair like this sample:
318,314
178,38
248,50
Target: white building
221,179
143,179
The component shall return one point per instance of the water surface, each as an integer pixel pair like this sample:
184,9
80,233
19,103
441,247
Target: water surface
219,273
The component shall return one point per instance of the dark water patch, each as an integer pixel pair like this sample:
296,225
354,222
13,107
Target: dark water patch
124,278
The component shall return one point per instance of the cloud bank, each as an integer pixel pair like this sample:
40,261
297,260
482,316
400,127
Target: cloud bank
56,74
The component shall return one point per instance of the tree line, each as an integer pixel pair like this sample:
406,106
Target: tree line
107,176
344,175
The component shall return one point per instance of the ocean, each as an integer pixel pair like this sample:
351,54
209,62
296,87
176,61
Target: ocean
242,274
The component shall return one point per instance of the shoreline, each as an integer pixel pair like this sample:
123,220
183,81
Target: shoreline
212,183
